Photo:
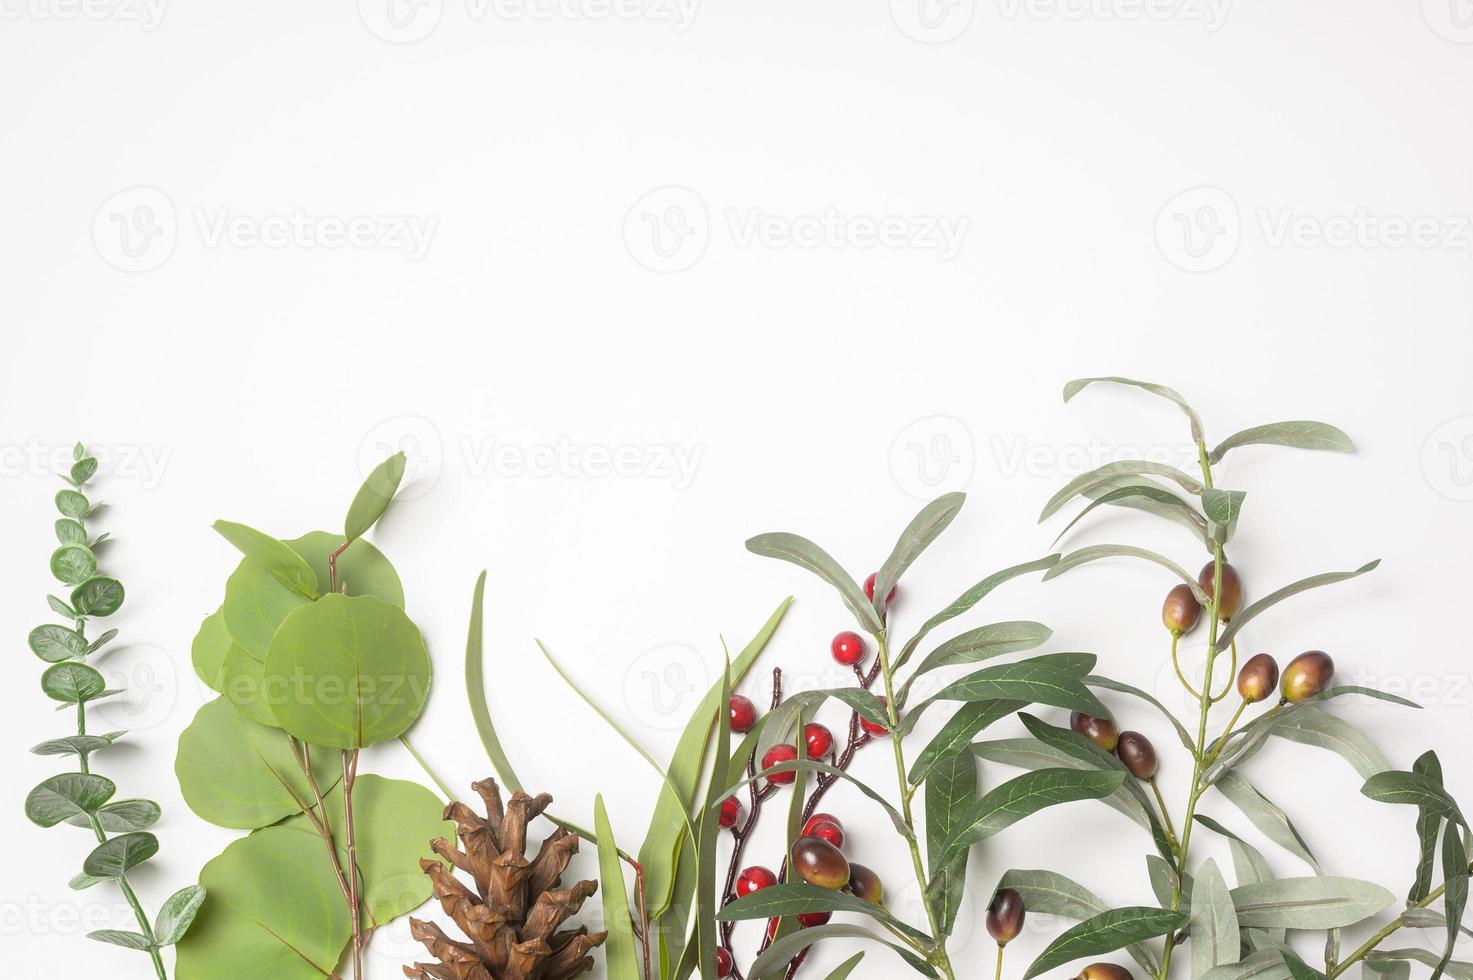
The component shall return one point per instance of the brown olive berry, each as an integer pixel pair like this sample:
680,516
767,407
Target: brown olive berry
1005,916
1231,599
820,863
1101,731
1138,754
865,884
1307,675
1181,610
1104,971
1258,678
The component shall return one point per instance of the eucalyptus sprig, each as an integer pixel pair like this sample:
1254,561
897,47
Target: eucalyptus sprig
84,798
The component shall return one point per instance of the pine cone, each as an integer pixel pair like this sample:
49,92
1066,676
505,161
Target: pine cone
512,918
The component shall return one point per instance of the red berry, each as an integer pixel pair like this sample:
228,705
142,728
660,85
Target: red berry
814,919
869,590
818,740
776,755
819,818
723,962
754,879
731,812
824,830
871,727
848,648
743,714
771,930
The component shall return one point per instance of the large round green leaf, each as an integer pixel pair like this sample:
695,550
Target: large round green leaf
98,596
72,683
362,568
275,912
73,563
347,671
208,650
57,643
242,681
115,858
67,795
236,773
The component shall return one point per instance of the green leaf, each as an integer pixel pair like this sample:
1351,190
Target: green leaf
475,685
1041,680
374,496
62,797
1264,814
799,898
116,857
1255,609
1222,508
54,644
242,680
276,557
1263,964
83,470
1075,387
1095,680
1297,435
1345,690
842,971
98,596
80,745
1112,472
985,642
707,933
81,882
968,599
177,914
619,953
60,608
208,649
73,564
1413,789
1310,726
775,958
1385,970
951,789
69,531
123,816
1455,898
805,554
812,765
957,734
72,683
1106,933
1164,500
1429,824
924,528
117,937
274,912
1164,881
236,773
1456,968
1022,796
1050,893
1095,552
1320,902
73,504
1030,753
1298,969
105,638
1214,922
354,671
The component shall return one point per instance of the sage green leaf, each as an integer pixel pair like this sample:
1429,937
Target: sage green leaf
1249,864
620,956
1095,680
62,797
116,857
98,596
255,606
1095,552
177,914
1455,898
1429,824
968,599
61,608
123,816
117,937
236,773
1041,680
1111,472
81,882
1164,502
794,898
69,531
1256,608
924,528
1385,970
1344,690
73,564
1030,753
1266,815
102,640
985,642
842,971
374,496
1298,969
1320,902
774,960
951,789
274,912
54,644
861,702
1222,508
805,554
1164,883
1021,796
73,504
1214,922
353,670
1297,435
83,470
1050,893
276,557
72,683
1079,384
1311,726
1106,933
1425,918
1262,964
812,765
1413,789
957,734
72,745
1455,968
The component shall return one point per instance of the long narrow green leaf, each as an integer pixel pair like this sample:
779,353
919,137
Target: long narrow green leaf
957,734
1429,825
1095,552
986,642
475,686
1264,814
1022,796
1157,495
1296,435
374,497
1115,471
1095,680
1311,726
951,789
1041,680
1050,893
842,971
1413,789
1319,902
620,955
1214,922
1030,753
1106,933
1255,609
1170,394
706,932
812,765
924,528
805,554
776,957
1456,969
276,557
1455,898
968,599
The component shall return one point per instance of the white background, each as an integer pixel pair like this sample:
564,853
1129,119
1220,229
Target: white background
1161,190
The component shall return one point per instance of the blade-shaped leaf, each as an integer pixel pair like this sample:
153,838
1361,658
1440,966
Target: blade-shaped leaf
620,956
1050,893
1456,968
1022,796
1095,552
1429,824
1413,789
951,789
1455,898
1095,680
1298,969
1115,471
1041,680
957,734
793,898
1079,384
1263,964
276,557
985,642
1300,434
374,496
1264,814
805,554
1106,933
1273,598
709,828
845,968
1320,902
968,599
917,536
1164,499
475,685
775,958
812,765
1214,922
118,937
1030,753
1311,726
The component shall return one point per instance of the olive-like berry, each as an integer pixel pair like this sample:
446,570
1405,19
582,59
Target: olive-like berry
1181,610
1307,675
731,812
818,740
1005,916
819,863
870,727
865,884
777,755
754,879
1258,678
1138,754
743,714
819,818
1231,599
1104,971
723,962
824,830
1101,731
869,589
848,648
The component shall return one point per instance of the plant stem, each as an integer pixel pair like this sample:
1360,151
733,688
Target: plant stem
998,974
1165,815
350,775
404,740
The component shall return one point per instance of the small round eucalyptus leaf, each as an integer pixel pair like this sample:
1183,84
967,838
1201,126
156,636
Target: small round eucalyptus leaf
98,596
73,504
67,795
69,531
54,644
83,470
73,563
115,858
72,683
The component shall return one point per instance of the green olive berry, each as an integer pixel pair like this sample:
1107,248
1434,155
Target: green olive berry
1104,971
1138,754
1231,599
1181,610
1005,916
1307,675
1101,731
1258,678
865,884
820,863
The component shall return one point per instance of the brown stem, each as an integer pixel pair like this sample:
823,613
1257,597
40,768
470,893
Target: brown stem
332,566
350,776
644,917
304,761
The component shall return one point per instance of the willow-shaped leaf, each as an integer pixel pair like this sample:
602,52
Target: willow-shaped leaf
1114,471
1095,552
1429,824
842,971
284,564
1041,680
1022,796
950,790
1413,789
812,765
1106,933
1222,508
1079,384
1457,969
1050,893
1311,726
957,734
374,496
1274,598
1385,970
774,959
805,554
621,957
1455,898
924,528
1297,435
1030,753
1165,500
799,898
475,685
118,937
1214,921
708,831
968,599
1320,902
1095,680
1266,815
1164,881
1298,969
984,643
1263,964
